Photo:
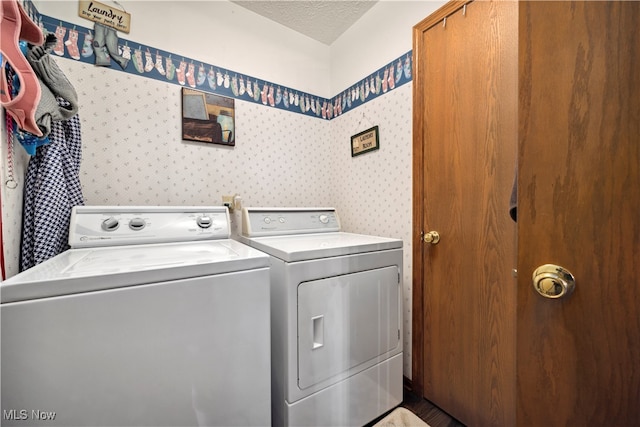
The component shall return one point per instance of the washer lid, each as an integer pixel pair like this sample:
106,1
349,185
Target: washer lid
302,247
93,269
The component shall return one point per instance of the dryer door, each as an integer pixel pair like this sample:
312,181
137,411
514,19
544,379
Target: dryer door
345,322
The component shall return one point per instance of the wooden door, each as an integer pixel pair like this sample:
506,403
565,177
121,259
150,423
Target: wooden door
578,358
465,136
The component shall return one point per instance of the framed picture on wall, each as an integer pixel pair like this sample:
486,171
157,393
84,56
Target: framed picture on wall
365,141
208,118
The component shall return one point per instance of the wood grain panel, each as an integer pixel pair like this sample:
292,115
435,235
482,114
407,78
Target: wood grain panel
467,84
419,68
579,358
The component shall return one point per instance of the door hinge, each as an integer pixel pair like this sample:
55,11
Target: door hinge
398,334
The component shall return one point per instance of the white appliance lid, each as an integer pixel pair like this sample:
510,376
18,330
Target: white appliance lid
301,247
93,269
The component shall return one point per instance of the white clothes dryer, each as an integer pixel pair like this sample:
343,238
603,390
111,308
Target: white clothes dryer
154,317
336,317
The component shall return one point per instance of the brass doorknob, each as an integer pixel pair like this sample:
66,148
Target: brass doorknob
553,281
432,237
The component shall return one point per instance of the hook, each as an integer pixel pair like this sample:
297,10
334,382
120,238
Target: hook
119,5
444,22
362,119
464,10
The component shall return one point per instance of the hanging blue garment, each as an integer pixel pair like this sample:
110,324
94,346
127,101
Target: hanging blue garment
52,189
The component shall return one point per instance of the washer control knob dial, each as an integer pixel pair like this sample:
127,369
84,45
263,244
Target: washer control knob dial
267,220
137,224
110,224
324,219
204,221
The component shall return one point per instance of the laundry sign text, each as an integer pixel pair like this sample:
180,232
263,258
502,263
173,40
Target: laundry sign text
365,141
105,15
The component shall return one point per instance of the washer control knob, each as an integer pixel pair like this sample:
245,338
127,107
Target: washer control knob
137,224
281,219
110,224
267,220
324,219
204,221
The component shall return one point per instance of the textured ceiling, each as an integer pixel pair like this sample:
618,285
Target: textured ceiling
322,20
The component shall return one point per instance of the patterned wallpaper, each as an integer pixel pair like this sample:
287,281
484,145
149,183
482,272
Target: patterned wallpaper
133,152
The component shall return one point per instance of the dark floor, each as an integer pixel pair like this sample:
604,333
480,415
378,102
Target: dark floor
425,410
428,412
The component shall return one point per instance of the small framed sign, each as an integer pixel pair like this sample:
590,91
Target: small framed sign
105,15
365,141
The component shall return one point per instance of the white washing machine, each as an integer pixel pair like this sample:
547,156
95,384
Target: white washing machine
336,317
154,317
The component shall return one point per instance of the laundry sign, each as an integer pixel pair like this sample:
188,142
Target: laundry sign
365,141
105,15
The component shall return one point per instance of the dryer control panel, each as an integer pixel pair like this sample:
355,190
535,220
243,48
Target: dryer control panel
258,222
95,226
